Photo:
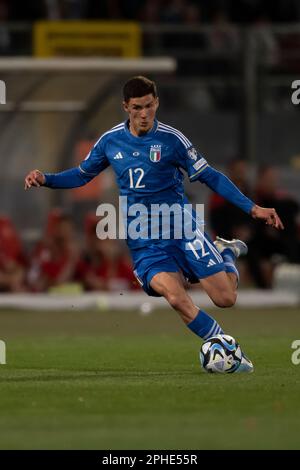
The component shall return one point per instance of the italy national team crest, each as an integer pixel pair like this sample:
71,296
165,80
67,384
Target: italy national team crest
155,153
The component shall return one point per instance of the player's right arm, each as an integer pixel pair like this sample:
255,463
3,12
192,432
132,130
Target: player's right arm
34,178
94,163
72,178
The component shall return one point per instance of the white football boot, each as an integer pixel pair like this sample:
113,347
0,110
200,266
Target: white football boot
238,247
246,366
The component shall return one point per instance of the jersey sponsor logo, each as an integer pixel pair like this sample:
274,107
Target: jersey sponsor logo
118,156
155,153
192,153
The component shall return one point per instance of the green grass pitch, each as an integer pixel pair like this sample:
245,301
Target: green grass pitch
119,380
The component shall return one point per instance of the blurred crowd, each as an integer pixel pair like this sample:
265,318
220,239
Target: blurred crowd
216,50
208,51
267,247
61,258
176,11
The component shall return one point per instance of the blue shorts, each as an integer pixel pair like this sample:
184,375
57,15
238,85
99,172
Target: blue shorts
196,260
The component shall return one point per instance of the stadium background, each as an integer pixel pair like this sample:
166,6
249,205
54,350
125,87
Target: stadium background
230,93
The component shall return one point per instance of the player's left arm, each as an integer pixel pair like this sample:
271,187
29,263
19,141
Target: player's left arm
270,216
222,185
198,169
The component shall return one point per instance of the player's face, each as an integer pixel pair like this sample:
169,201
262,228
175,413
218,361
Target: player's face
141,112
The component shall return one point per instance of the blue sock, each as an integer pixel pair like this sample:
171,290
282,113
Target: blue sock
205,326
229,259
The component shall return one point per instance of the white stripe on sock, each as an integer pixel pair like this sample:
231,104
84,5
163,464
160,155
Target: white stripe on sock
216,330
210,331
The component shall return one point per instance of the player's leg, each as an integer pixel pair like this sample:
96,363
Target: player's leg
159,274
171,286
230,250
222,291
222,287
203,262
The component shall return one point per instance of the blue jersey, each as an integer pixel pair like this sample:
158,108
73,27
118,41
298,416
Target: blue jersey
148,168
150,172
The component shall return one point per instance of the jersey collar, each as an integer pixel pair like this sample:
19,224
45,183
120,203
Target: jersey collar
148,136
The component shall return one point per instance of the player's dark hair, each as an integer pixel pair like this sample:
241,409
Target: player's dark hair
136,87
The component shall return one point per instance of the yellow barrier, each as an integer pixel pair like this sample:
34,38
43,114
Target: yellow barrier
87,38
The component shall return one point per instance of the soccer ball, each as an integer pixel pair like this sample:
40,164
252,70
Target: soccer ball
220,354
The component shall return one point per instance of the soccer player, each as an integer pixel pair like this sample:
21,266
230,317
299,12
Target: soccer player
148,158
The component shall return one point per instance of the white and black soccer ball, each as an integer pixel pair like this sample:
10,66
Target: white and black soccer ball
220,354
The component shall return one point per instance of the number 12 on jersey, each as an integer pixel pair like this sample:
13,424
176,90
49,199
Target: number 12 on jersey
135,178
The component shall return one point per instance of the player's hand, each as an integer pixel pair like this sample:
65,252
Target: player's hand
270,216
34,178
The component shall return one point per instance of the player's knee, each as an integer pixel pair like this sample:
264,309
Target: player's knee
225,299
177,301
174,300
